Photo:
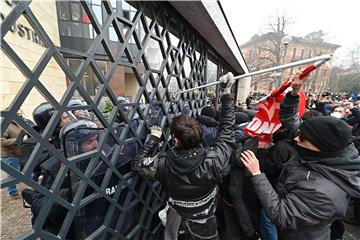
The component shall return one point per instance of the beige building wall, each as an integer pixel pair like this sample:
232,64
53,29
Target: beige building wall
29,48
298,49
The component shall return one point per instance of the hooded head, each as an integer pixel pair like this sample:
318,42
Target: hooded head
328,134
208,111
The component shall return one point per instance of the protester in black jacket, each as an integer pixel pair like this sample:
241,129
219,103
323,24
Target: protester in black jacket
243,199
190,173
300,186
319,172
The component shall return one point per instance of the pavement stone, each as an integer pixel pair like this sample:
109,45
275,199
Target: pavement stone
15,219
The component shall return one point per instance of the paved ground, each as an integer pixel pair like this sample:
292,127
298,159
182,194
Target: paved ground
15,219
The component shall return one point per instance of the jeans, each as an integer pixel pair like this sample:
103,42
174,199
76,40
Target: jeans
268,227
15,163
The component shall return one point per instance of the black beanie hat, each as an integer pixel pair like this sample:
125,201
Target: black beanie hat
329,134
208,111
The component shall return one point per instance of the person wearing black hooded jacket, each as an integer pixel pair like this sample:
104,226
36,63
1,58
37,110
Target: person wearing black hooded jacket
299,206
190,173
319,173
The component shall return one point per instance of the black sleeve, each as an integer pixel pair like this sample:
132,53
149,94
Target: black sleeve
219,154
145,163
289,115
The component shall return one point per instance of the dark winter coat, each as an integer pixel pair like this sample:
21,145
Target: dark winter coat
191,177
313,190
210,128
92,216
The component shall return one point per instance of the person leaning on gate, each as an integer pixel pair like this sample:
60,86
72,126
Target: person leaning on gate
316,182
189,172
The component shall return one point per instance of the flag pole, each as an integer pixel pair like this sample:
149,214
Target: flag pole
318,60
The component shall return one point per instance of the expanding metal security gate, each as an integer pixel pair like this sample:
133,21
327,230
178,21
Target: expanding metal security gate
181,63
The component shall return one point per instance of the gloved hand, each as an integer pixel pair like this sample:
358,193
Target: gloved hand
226,83
155,131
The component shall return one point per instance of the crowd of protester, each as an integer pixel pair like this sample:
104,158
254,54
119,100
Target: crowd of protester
218,181
302,186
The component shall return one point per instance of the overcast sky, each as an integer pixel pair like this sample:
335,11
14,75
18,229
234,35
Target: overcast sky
340,20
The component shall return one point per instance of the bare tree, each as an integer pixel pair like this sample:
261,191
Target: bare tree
316,36
269,51
355,57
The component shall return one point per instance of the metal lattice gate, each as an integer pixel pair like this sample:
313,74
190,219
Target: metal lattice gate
181,64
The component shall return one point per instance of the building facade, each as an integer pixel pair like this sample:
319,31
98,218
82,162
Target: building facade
27,43
261,52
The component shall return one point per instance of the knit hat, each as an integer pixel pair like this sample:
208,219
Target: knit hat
329,134
208,111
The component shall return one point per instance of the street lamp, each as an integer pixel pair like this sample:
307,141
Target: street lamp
284,41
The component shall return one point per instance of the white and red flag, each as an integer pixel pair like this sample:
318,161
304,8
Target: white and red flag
266,121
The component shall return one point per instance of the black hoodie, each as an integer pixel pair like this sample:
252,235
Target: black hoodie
342,168
312,191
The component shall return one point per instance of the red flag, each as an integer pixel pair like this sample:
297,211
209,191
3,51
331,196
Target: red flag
266,121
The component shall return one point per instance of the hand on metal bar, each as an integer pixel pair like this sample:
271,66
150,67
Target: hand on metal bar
226,83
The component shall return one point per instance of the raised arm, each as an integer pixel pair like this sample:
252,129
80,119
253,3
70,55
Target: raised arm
146,160
221,151
289,108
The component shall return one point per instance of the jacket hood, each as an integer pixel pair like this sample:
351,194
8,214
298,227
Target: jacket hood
342,168
208,121
185,160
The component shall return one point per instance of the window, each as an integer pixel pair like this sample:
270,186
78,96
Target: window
97,12
302,53
294,53
113,4
126,6
310,54
63,28
64,12
92,33
212,70
112,35
75,11
127,15
75,29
